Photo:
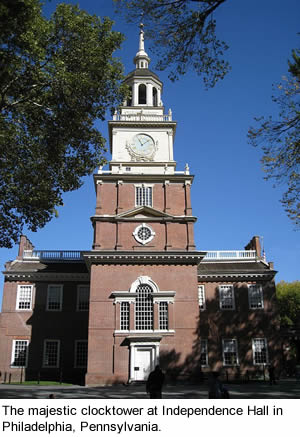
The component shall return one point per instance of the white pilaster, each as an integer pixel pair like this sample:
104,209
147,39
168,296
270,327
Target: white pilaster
149,94
135,97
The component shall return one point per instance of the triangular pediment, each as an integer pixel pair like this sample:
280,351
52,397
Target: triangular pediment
143,212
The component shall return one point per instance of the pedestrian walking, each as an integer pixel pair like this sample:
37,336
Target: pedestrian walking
271,370
155,382
216,389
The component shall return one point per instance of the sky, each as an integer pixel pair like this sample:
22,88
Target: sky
230,197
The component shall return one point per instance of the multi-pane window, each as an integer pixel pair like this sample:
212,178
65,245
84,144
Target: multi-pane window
203,353
19,353
144,308
226,293
83,297
124,316
260,351
163,315
54,297
24,297
201,297
51,353
255,295
81,353
230,352
143,196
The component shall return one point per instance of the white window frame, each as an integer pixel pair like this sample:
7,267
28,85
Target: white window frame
233,341
258,289
163,315
264,340
19,298
125,316
143,196
222,299
76,366
204,350
201,297
79,288
136,233
144,309
51,340
60,286
14,343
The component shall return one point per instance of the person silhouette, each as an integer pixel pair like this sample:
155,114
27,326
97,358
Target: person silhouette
155,382
216,389
271,370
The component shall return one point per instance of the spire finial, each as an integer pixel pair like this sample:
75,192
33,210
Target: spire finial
141,44
141,59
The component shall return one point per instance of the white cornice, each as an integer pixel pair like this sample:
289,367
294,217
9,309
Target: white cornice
102,257
232,276
40,276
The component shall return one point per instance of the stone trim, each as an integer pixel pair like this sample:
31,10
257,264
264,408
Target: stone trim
133,335
212,277
33,276
133,218
145,178
148,258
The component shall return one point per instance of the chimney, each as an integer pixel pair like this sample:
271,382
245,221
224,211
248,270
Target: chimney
254,244
24,244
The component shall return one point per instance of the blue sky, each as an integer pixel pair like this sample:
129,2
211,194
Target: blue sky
230,197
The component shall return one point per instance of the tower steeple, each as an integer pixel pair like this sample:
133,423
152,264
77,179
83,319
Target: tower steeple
141,59
141,134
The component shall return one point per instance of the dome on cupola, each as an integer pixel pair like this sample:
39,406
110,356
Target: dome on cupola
145,86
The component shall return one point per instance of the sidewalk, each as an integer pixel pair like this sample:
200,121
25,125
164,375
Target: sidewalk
285,389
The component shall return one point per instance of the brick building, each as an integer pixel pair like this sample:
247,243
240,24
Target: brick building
143,294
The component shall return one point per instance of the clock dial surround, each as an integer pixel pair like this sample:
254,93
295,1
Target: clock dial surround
142,147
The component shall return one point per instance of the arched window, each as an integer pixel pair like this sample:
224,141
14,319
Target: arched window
154,93
144,308
142,94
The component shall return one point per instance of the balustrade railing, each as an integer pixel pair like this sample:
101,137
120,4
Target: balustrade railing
54,255
73,255
212,255
142,117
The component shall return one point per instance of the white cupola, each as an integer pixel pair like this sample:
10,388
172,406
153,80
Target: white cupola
145,86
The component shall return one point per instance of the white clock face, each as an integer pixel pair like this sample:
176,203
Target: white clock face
142,145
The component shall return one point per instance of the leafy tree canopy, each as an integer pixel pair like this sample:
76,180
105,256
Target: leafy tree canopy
280,139
183,34
288,297
57,77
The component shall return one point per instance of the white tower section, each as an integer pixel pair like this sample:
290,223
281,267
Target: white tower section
141,134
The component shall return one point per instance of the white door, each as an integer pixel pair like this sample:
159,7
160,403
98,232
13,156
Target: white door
142,363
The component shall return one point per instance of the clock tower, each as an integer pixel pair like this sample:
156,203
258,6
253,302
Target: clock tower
143,264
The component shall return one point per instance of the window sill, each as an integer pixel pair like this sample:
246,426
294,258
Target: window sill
120,333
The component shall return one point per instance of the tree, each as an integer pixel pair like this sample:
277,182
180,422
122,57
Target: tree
288,298
280,140
57,77
183,34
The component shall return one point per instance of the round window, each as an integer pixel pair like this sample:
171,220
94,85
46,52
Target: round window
143,234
